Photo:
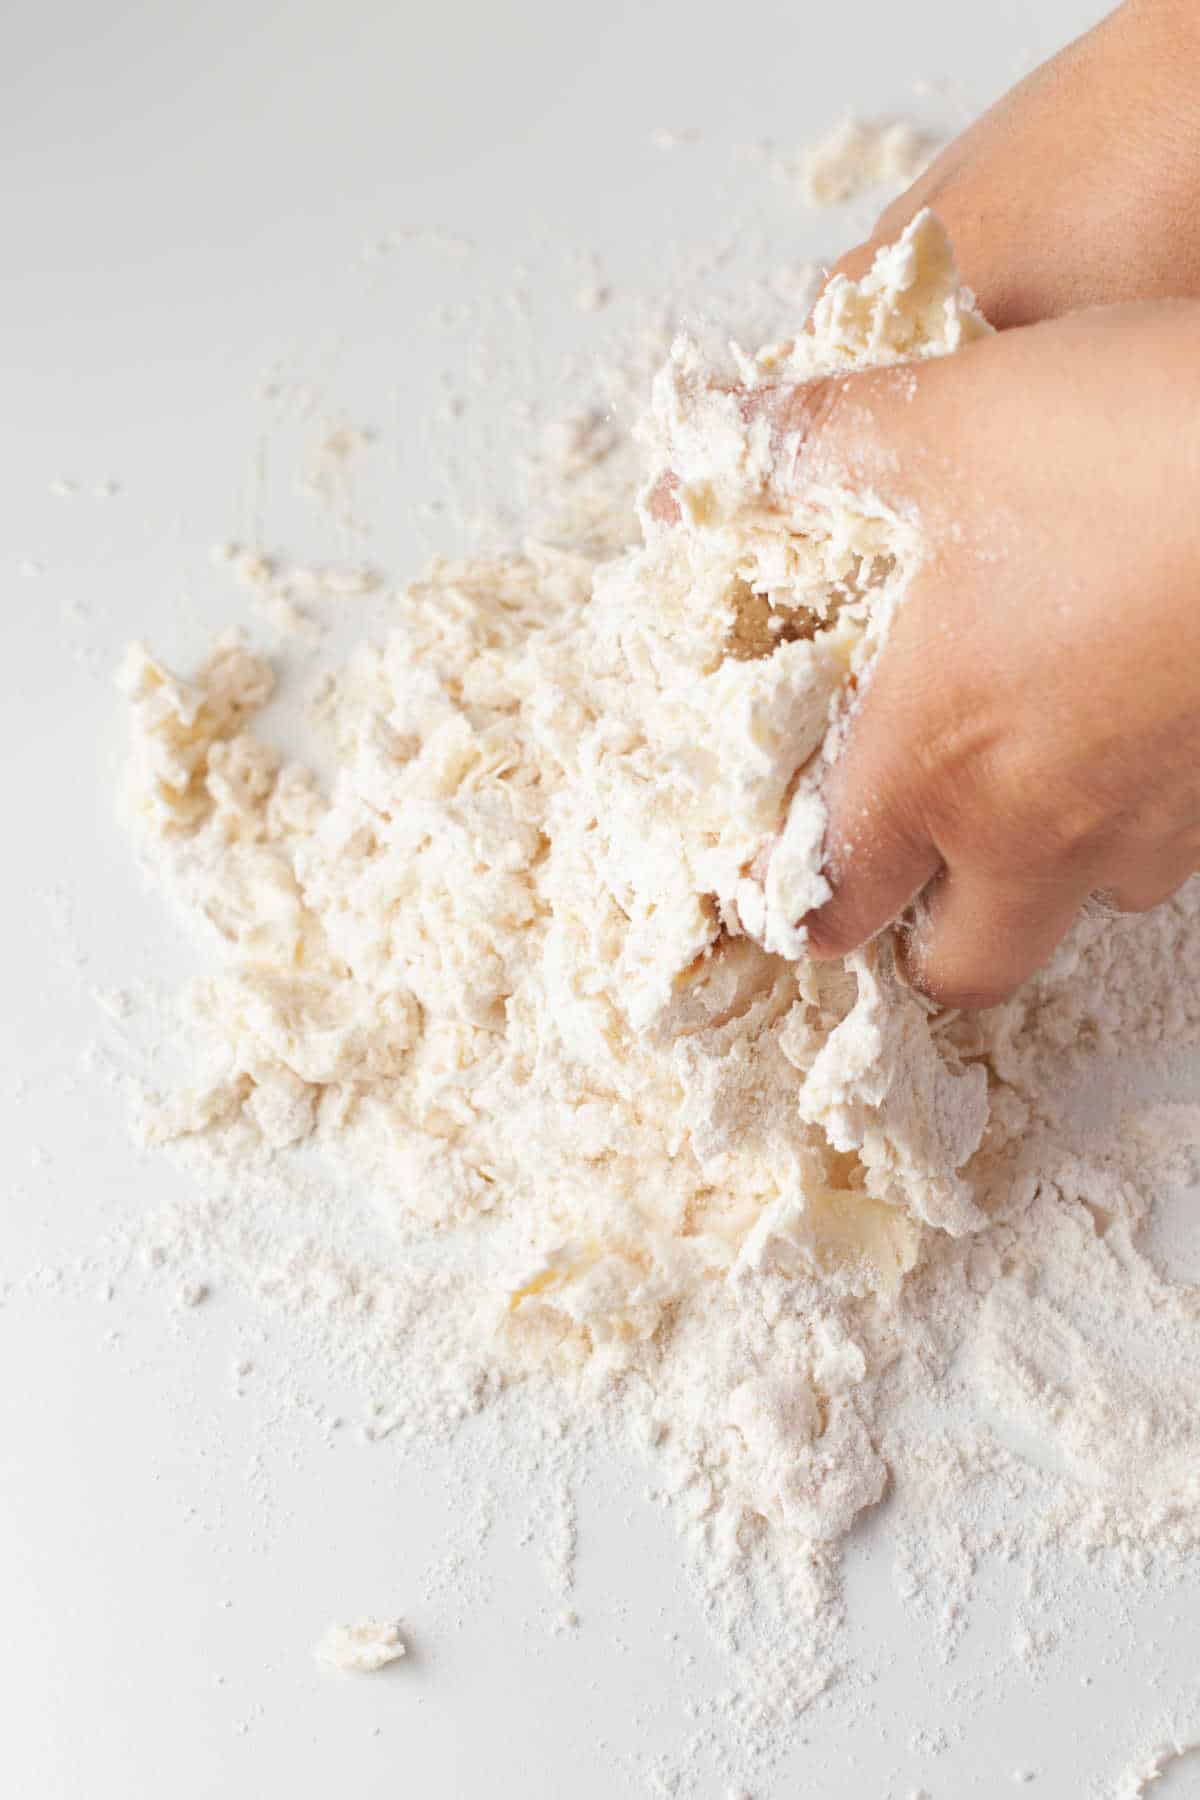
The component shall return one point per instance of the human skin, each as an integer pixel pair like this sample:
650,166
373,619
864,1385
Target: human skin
1080,187
1031,735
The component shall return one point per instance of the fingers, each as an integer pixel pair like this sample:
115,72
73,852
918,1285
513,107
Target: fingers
888,429
877,857
882,430
977,936
857,262
661,502
1149,885
900,830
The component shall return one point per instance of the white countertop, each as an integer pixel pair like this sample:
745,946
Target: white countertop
187,195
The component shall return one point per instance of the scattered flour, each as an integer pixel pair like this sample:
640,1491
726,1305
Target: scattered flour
528,971
859,154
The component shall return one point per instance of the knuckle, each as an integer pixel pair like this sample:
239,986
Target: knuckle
1066,807
947,760
1074,830
804,416
1007,810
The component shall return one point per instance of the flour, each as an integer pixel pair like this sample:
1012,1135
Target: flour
531,971
859,154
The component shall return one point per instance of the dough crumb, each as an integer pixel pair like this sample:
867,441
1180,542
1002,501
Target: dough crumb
1147,1773
363,1648
862,153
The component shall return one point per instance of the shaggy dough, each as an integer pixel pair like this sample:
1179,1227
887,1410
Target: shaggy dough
862,153
539,951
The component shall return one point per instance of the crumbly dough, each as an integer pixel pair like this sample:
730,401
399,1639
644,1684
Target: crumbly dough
525,972
363,1648
863,153
539,953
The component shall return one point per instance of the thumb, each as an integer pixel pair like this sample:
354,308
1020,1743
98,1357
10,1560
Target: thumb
885,431
878,855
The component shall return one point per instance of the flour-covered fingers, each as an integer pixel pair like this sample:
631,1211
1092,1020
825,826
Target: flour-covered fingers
884,432
873,882
1078,187
977,934
878,854
661,501
1147,884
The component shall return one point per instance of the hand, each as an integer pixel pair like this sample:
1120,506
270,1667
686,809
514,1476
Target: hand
1031,733
1082,186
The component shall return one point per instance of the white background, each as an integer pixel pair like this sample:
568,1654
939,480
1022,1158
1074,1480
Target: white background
186,192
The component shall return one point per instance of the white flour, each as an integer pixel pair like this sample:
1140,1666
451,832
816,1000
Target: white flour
529,973
863,153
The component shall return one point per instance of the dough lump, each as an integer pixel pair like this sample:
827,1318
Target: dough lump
537,954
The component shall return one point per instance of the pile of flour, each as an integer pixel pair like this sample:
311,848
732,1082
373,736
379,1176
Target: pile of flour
530,972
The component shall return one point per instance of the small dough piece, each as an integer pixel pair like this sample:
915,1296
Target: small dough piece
363,1648
862,153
